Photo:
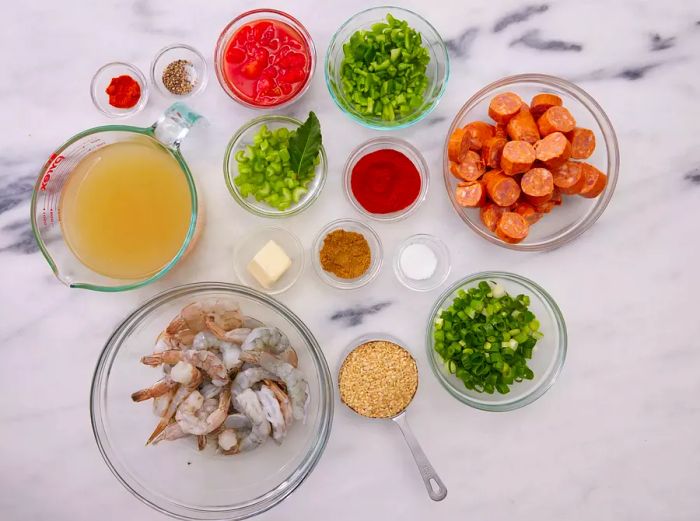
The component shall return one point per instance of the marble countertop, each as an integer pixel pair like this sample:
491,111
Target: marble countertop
617,437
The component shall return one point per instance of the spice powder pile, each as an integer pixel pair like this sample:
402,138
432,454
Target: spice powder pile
378,379
345,254
177,77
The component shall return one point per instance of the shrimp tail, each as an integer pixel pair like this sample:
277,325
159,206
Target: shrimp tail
152,360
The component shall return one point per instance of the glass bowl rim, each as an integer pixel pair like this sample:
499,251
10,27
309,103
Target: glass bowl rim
363,279
406,149
383,126
139,76
321,170
159,84
605,128
423,237
560,349
261,503
223,40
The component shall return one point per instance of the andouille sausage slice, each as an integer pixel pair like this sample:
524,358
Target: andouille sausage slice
523,127
502,189
492,151
454,145
541,102
512,227
470,193
553,150
478,132
527,211
500,131
490,214
537,182
517,157
504,106
568,177
582,142
469,169
594,181
555,119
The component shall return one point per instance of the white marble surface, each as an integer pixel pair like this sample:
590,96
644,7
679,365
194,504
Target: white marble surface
617,437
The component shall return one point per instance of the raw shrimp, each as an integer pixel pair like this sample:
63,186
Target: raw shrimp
273,413
248,378
283,399
183,372
236,427
231,356
209,390
161,403
205,360
199,419
227,441
182,392
172,432
222,315
271,340
238,335
297,388
248,403
161,387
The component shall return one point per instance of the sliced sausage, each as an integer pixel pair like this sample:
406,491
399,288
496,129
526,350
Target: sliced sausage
504,106
502,189
568,177
490,214
537,182
582,142
517,157
469,169
594,181
500,131
541,102
555,119
553,150
478,132
454,145
512,227
470,193
528,211
523,127
492,150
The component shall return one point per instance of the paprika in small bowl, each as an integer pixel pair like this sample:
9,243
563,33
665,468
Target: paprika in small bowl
386,178
119,89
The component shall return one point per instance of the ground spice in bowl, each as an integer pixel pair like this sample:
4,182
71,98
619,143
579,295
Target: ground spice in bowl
178,77
124,92
345,254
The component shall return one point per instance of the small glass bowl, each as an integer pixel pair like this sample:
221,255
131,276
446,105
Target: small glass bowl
180,51
101,80
252,16
399,145
576,214
438,69
547,359
375,246
442,269
240,140
250,245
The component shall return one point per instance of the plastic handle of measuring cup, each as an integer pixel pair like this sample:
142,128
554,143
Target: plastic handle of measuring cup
436,488
172,127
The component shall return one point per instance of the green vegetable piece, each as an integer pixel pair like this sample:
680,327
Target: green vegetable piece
305,145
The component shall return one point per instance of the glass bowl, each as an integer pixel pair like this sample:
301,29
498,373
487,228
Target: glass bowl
438,69
197,71
173,477
547,359
242,138
442,270
406,149
577,214
100,82
249,246
375,246
252,16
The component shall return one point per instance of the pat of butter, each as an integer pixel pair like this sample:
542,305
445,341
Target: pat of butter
269,264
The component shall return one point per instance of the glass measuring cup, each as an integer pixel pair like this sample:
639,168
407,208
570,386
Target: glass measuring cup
433,484
166,133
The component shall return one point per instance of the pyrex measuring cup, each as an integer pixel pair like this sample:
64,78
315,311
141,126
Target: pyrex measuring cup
166,133
433,484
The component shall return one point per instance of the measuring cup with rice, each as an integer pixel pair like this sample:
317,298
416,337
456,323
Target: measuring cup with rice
378,379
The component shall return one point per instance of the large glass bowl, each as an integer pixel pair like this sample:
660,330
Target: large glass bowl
438,69
244,137
547,359
173,477
576,214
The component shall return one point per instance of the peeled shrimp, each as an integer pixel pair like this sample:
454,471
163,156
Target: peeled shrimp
182,392
195,417
209,390
238,335
161,403
172,432
249,404
271,340
204,360
161,387
273,413
248,378
183,372
283,399
222,315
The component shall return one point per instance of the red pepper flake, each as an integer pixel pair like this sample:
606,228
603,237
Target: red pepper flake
124,92
385,181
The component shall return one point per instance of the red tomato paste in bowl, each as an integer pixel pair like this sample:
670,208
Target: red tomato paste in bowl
264,62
